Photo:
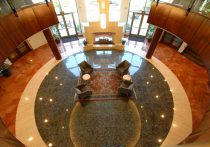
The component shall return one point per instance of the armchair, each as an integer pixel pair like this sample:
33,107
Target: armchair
85,67
125,88
82,92
123,67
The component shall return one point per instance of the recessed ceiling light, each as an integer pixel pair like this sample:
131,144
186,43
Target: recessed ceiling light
46,120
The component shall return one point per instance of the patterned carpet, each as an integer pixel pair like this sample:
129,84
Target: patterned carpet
104,84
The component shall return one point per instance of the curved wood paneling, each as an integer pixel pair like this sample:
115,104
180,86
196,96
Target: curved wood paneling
193,28
175,20
30,20
190,25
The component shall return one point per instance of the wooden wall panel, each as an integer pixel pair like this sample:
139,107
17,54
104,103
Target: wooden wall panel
192,28
201,38
151,17
189,27
2,32
53,14
29,22
2,58
12,27
161,15
175,20
43,15
7,46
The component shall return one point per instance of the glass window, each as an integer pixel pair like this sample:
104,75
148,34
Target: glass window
128,25
78,27
38,1
4,7
70,24
68,6
137,5
148,5
136,23
92,9
61,27
202,6
57,6
114,10
144,26
181,3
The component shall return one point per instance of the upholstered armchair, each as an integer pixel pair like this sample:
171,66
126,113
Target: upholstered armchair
82,91
85,68
123,67
125,88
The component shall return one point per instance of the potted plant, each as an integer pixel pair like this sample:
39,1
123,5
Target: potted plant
5,70
123,42
56,34
85,42
150,33
57,39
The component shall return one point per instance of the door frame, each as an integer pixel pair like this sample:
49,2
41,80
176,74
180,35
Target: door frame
62,14
143,13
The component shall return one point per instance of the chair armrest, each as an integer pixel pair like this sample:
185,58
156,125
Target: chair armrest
80,86
124,90
85,94
131,86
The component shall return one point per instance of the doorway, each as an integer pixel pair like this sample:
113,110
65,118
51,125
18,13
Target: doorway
139,25
69,24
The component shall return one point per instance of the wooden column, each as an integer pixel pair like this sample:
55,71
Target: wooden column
154,42
52,44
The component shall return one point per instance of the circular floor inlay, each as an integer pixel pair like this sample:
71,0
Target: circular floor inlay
100,123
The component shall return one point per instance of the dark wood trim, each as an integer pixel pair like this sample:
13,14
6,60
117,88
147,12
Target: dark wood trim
154,42
52,44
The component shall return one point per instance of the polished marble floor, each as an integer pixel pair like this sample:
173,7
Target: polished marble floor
153,102
164,53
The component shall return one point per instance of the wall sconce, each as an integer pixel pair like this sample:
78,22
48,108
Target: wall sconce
103,21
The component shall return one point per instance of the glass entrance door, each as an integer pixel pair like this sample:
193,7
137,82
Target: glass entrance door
69,24
139,25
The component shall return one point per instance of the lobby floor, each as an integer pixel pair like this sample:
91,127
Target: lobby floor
23,70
